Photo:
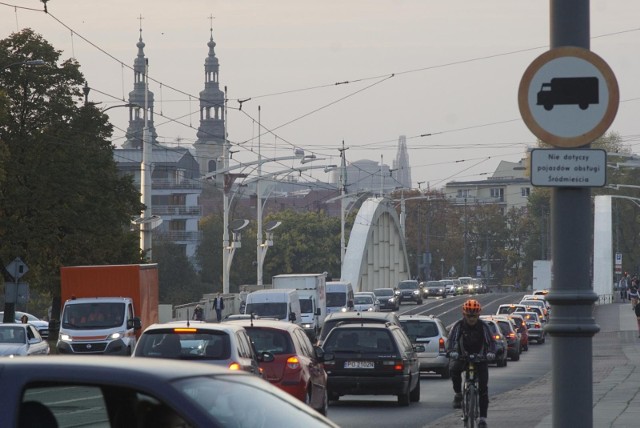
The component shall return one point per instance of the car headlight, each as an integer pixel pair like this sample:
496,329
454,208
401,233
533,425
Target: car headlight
65,338
306,325
370,309
416,291
343,310
391,300
116,335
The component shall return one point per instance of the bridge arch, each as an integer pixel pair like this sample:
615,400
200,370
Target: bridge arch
376,254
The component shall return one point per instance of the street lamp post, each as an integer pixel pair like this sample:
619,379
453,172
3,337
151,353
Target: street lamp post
29,62
442,268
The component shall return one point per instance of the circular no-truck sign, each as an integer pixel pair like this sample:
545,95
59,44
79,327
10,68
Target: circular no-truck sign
568,97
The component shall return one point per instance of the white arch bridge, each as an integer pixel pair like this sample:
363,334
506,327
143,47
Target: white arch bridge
376,255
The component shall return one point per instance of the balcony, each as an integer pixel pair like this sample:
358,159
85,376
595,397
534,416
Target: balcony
179,235
163,183
177,210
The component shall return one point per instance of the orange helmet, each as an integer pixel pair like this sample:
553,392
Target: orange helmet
471,307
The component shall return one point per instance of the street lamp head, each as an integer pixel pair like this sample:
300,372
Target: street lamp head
329,168
442,260
34,62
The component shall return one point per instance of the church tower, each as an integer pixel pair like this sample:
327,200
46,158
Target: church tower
138,103
211,132
401,164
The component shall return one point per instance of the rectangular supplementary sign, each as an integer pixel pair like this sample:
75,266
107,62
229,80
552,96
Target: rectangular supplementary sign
568,168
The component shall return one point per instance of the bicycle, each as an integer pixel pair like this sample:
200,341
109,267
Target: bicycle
470,391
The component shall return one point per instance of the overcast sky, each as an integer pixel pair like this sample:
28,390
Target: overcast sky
414,67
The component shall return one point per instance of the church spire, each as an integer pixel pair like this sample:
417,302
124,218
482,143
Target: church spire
211,132
137,100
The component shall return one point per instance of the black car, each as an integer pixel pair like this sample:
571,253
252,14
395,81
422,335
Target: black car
388,299
409,289
338,318
372,359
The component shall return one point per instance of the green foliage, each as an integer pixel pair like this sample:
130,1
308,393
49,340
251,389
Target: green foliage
179,282
62,201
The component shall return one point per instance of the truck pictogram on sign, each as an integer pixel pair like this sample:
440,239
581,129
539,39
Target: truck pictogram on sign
580,91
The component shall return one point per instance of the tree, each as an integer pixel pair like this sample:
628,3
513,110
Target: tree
179,282
62,201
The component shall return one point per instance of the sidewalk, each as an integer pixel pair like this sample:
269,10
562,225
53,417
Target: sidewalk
616,381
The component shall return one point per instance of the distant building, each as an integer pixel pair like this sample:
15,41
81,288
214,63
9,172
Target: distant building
401,167
507,187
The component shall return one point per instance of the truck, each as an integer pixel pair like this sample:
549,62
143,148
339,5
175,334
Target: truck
580,91
312,294
339,296
542,275
105,307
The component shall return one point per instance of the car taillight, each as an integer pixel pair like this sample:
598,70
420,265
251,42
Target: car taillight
398,366
293,363
441,345
512,335
497,337
537,325
234,366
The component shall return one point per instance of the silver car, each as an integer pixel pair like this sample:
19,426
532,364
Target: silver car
430,332
41,326
226,345
366,301
21,340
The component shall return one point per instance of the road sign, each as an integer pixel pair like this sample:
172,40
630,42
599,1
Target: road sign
568,168
17,268
568,97
619,259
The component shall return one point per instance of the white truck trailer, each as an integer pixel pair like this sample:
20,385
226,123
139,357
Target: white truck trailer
313,298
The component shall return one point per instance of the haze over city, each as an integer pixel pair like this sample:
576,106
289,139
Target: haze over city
445,75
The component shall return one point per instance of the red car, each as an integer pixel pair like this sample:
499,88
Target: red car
297,366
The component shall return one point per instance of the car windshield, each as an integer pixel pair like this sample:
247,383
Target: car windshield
249,399
268,309
435,284
336,299
407,285
383,292
363,300
12,335
270,340
505,327
93,315
417,330
184,344
359,340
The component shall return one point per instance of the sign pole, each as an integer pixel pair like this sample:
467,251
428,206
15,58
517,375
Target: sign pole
572,325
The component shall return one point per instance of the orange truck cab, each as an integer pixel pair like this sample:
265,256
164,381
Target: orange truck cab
106,307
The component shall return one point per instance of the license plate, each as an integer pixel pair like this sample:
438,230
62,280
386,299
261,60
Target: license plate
359,365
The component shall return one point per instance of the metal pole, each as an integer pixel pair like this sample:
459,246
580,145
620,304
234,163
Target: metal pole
259,208
145,170
225,204
572,325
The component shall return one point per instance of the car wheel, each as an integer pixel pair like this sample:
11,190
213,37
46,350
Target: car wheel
504,364
445,372
516,356
415,393
419,302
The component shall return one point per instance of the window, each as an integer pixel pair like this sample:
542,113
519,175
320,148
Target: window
462,193
525,191
497,192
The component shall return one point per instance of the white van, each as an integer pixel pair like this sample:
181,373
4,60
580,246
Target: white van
283,304
339,297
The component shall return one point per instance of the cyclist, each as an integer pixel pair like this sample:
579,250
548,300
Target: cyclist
471,335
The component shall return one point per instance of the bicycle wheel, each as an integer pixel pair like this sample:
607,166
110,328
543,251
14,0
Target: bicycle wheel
471,408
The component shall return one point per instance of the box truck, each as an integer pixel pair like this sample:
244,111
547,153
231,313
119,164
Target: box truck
311,289
105,307
542,275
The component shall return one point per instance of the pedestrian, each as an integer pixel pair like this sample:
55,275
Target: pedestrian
633,292
24,319
623,285
218,305
198,313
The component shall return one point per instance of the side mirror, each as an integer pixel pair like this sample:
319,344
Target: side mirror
292,316
319,353
328,356
134,323
350,304
318,312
